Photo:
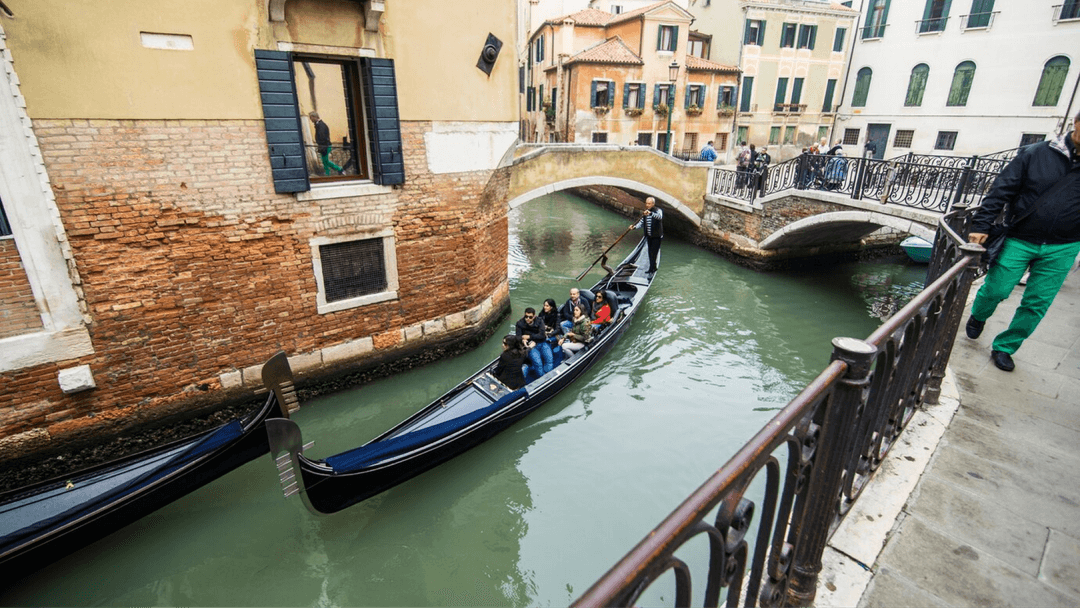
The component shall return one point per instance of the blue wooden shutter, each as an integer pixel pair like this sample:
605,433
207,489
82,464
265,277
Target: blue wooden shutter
830,88
747,89
554,99
656,96
746,33
781,93
592,96
796,91
813,36
674,38
281,112
626,95
384,122
761,33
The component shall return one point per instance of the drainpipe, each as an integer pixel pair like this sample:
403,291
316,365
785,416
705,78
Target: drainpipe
738,101
847,73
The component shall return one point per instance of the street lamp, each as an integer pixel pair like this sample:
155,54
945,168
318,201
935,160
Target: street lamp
673,75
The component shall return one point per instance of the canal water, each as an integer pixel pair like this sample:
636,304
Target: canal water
534,516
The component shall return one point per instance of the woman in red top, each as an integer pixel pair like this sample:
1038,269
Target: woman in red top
603,312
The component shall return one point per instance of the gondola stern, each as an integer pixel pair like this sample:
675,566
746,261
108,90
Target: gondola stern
286,447
277,376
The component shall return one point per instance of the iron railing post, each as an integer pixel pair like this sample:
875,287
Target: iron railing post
947,338
801,173
860,170
827,473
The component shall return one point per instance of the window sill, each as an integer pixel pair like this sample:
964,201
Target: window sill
332,191
373,298
931,33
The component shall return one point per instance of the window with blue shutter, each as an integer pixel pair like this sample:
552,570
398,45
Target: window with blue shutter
667,38
754,32
281,113
877,17
862,88
981,11
807,36
935,16
916,85
747,88
838,39
781,93
830,90
796,93
384,122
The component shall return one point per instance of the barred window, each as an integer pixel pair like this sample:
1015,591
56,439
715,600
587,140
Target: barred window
1027,139
903,138
946,140
851,137
354,271
599,138
644,139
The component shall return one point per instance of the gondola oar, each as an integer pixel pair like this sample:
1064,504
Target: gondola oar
604,255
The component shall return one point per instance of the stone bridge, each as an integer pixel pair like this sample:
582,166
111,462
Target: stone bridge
786,225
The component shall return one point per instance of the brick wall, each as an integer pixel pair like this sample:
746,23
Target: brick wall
18,312
193,267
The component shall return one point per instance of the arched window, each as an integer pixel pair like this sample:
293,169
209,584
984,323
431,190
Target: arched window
961,84
916,85
1053,79
862,88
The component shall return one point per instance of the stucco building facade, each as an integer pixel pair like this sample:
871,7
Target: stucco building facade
173,216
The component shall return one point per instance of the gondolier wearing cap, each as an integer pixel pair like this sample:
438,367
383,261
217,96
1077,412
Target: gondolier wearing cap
653,223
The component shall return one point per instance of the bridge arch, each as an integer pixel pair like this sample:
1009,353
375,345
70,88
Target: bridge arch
665,199
840,226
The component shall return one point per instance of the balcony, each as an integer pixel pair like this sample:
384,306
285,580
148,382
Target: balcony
977,21
1070,11
934,25
873,32
789,108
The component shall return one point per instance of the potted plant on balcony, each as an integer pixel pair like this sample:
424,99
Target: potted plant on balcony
549,112
601,109
725,110
633,111
661,109
693,110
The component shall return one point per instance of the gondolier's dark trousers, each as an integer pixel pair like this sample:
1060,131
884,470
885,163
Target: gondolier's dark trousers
654,250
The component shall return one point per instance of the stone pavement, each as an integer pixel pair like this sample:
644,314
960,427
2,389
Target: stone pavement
979,503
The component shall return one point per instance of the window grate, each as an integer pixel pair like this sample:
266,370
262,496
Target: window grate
903,138
946,140
353,269
851,137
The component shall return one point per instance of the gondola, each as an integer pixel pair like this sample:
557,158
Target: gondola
467,415
43,522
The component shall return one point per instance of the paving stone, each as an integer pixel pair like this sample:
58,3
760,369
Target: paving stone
889,590
1061,566
982,524
960,574
1030,415
1018,445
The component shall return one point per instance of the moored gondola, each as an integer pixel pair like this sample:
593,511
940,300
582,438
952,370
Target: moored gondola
45,521
467,415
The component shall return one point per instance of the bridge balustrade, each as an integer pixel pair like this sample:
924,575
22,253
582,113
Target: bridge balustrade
813,459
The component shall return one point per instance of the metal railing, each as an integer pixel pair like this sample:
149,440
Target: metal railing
811,461
926,182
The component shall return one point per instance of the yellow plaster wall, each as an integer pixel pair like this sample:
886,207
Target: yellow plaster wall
85,59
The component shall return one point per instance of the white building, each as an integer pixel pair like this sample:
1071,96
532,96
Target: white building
960,78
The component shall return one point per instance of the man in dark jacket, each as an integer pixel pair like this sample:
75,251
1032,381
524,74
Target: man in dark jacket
541,360
566,313
322,140
1047,241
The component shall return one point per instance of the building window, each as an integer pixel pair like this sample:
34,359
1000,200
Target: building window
644,139
662,95
903,138
662,141
667,38
796,94
599,138
747,89
1026,139
616,9
916,85
862,88
789,135
807,36
698,47
633,95
830,89
787,36
822,133
695,96
743,133
982,11
961,84
690,142
603,93
721,141
935,15
353,271
726,97
838,39
946,140
851,137
331,134
781,94
538,50
877,15
774,135
1051,81
5,227
530,99
754,32
1069,10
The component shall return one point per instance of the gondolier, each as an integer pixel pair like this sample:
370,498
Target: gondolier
653,223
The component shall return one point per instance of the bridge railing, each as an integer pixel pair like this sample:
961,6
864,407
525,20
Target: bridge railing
810,463
923,185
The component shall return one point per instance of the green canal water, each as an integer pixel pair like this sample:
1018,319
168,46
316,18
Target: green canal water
534,516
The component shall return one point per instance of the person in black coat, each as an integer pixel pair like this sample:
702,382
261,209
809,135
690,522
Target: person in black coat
531,328
322,140
508,369
566,313
653,223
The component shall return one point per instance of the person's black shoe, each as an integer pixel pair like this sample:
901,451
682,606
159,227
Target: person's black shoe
1002,360
974,327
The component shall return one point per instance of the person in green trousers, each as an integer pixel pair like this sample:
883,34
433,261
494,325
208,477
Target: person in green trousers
322,140
1046,242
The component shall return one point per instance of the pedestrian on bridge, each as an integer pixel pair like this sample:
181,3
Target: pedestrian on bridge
1040,189
653,223
708,153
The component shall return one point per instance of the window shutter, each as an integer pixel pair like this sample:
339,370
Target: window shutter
281,112
830,88
554,100
884,17
592,96
761,33
659,37
675,38
656,96
704,91
838,40
540,98
384,126
747,89
796,90
813,36
746,33
626,95
1052,81
781,92
641,96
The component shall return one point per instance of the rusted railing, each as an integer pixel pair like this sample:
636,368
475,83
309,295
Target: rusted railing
812,460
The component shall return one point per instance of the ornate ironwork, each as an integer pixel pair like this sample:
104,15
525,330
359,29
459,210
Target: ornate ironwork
812,460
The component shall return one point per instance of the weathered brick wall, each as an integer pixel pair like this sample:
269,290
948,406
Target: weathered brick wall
194,268
18,313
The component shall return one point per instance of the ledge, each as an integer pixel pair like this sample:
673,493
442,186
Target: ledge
331,191
29,350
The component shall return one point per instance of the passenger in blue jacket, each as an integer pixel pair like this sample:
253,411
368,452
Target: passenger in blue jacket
534,335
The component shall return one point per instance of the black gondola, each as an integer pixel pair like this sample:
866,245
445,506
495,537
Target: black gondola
44,522
467,415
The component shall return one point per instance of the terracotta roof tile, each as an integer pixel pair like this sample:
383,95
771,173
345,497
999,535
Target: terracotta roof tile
589,17
697,64
612,50
636,12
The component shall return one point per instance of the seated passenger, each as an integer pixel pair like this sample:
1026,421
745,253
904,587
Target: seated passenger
531,330
549,314
603,312
508,369
566,313
579,335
